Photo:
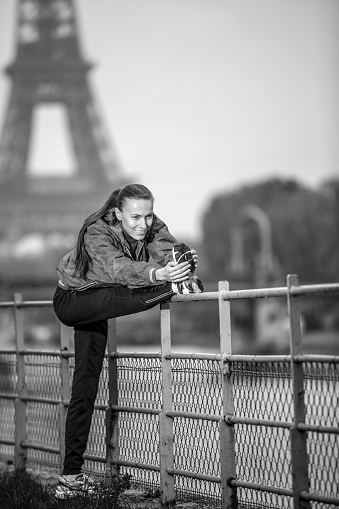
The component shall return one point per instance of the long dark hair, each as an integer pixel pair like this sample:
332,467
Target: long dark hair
116,199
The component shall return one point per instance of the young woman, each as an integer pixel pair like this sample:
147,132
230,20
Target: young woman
108,274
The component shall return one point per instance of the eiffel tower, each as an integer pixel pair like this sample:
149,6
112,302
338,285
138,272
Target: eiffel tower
40,215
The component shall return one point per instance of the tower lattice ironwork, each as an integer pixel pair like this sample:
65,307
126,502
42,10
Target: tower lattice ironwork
49,69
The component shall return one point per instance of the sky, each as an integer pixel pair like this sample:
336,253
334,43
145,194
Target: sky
202,96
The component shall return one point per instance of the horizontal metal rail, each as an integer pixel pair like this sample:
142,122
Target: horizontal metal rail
135,355
40,447
318,428
56,450
263,293
194,475
8,396
194,415
143,466
92,457
42,353
261,487
195,297
136,410
205,296
37,399
179,355
319,498
233,419
6,441
195,356
172,413
171,471
34,399
27,304
256,358
334,359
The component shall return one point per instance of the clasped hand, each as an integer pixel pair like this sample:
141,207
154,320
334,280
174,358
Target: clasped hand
175,273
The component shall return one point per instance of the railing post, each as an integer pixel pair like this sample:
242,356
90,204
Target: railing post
298,437
65,341
112,416
20,405
227,445
165,422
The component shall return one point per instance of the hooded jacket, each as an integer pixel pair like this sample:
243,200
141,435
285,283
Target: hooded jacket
112,261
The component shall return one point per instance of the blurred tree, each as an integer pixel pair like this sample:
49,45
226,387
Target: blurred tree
304,222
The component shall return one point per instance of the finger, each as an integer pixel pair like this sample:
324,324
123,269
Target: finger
178,279
182,271
182,264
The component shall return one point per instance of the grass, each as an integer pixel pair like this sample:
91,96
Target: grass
23,490
19,490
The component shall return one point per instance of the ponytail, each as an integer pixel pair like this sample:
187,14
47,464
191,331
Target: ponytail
82,259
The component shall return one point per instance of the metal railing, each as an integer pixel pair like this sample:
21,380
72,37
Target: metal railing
231,431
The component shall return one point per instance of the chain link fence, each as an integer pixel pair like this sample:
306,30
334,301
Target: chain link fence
225,430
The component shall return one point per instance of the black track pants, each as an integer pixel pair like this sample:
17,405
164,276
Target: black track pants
88,311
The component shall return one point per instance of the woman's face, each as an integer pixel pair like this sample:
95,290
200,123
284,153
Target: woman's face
136,217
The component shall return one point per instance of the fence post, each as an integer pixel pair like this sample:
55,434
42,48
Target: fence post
112,416
65,340
226,428
20,405
165,422
298,437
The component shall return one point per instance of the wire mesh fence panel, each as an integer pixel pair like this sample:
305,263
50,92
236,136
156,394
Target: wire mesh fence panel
102,396
263,416
42,376
42,380
196,450
8,384
139,386
196,446
255,499
197,386
95,468
8,373
42,424
7,426
139,382
96,445
202,492
197,389
322,409
262,390
43,461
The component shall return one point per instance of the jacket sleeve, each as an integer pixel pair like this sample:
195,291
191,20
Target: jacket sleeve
161,242
112,263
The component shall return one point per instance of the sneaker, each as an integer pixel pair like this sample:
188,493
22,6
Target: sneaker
81,485
182,253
